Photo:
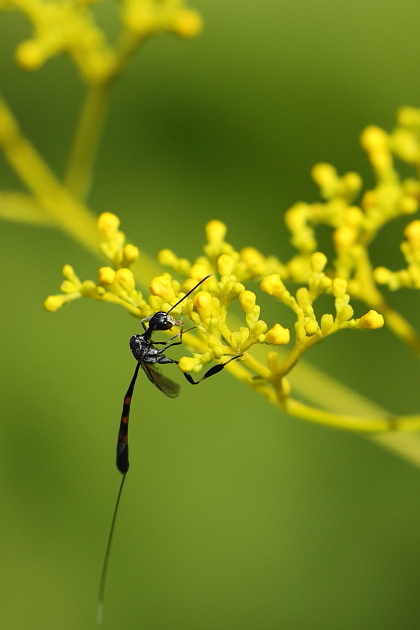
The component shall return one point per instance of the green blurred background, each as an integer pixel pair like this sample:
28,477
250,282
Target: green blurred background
234,516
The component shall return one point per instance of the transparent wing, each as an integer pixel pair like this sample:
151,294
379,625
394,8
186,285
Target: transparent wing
168,387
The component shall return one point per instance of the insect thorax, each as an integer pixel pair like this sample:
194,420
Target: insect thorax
143,350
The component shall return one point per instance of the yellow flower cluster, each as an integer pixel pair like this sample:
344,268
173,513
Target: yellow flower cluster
69,27
355,224
209,309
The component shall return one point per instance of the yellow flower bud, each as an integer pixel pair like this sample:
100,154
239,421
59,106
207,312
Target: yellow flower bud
273,285
409,117
188,23
345,313
68,287
327,322
371,320
277,335
353,182
254,260
344,237
382,275
225,265
203,303
339,287
412,233
167,257
318,262
106,275
409,204
187,364
108,224
247,301
311,326
125,279
162,286
374,139
69,273
198,272
239,337
323,174
130,253
54,302
215,231
30,55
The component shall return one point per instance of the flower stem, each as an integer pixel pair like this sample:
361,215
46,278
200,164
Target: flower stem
56,202
82,154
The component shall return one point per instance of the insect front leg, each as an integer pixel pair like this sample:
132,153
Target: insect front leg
168,344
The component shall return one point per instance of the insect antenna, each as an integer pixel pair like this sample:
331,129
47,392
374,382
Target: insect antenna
189,292
104,572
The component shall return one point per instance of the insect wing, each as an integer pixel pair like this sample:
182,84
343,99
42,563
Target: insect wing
168,387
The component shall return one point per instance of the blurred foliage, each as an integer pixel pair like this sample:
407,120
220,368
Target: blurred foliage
234,516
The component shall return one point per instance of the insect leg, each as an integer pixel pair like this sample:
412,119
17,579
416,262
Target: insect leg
168,344
122,440
211,372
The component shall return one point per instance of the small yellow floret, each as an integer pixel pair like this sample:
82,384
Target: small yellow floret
318,262
353,182
203,303
327,322
29,55
254,260
344,237
188,23
371,320
225,264
344,313
409,117
409,205
339,287
130,253
161,286
354,216
247,301
215,231
106,275
54,302
238,338
125,279
198,272
273,285
108,224
324,174
277,335
382,275
412,233
167,257
187,364
374,139
139,18
311,327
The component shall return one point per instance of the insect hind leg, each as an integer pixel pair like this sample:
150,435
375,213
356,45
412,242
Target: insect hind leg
211,372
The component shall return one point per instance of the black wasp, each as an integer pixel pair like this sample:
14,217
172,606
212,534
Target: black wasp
148,357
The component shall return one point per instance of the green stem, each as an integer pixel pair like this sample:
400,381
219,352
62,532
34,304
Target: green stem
83,151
